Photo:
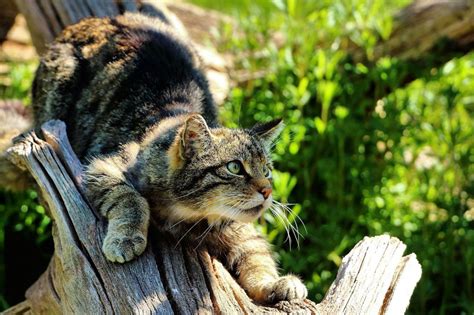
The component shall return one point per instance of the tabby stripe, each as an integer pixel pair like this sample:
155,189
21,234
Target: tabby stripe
213,185
199,177
221,177
208,187
113,205
104,190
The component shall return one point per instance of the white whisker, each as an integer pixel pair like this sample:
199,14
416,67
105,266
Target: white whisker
277,207
278,215
189,230
290,211
169,228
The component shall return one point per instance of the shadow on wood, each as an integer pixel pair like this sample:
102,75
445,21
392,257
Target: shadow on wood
374,277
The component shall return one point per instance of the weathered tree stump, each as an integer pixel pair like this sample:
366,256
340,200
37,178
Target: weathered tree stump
374,278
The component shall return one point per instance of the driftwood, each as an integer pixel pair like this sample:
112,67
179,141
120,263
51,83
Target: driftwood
374,278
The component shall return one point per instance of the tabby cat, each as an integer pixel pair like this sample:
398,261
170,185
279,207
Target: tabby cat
140,116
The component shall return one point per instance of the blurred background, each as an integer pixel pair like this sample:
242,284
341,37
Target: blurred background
378,99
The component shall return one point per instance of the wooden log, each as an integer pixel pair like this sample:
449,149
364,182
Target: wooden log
420,26
8,13
374,277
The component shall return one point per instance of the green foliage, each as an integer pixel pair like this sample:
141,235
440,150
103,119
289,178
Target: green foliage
364,152
20,214
17,84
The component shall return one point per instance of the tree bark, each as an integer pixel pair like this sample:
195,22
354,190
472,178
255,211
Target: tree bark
8,13
420,26
374,278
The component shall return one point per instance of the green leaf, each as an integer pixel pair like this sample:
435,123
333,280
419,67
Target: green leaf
320,125
291,5
341,112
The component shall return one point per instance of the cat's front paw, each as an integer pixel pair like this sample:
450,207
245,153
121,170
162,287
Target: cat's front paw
286,288
121,248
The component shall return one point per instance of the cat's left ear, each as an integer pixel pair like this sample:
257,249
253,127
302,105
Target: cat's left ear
268,131
195,136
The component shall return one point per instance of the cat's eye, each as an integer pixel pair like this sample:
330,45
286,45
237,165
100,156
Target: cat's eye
235,168
267,172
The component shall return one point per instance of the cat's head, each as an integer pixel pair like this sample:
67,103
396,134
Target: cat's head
222,173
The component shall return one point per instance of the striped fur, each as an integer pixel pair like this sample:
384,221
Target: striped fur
140,116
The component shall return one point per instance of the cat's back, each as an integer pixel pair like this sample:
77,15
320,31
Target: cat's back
111,79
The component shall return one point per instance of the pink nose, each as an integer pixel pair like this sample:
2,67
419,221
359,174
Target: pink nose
266,192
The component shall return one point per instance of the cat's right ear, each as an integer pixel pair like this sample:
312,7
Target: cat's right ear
268,132
195,136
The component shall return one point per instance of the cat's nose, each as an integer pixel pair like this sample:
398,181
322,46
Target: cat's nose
266,192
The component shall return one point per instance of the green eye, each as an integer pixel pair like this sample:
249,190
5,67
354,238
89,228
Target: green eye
234,167
267,172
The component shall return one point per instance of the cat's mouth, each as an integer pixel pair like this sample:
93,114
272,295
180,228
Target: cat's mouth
244,214
249,214
254,210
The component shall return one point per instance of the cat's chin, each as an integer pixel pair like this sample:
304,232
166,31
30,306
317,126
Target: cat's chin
253,213
248,215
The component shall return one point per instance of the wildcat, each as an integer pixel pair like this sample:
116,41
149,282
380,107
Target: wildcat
140,116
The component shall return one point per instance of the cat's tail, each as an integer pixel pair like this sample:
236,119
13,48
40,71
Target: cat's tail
15,118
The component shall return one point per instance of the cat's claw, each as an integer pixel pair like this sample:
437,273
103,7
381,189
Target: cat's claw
287,288
122,248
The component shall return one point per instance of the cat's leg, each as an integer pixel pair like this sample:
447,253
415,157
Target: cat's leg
126,210
249,256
